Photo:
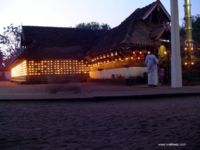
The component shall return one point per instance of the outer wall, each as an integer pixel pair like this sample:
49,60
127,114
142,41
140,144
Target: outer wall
118,73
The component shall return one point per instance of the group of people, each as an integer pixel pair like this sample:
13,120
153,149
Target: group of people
155,71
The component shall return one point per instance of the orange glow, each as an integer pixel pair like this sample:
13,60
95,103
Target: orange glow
185,63
19,70
49,67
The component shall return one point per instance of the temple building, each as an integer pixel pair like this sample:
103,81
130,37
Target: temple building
53,54
58,54
121,52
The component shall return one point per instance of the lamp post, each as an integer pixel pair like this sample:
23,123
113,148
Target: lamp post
176,69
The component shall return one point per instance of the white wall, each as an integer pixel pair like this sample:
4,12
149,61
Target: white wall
123,72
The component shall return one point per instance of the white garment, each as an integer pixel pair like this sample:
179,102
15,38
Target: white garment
152,69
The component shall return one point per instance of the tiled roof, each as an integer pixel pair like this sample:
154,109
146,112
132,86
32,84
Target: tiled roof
134,30
54,42
59,42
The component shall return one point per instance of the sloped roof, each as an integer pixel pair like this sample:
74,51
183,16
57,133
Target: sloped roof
58,42
159,7
134,30
54,53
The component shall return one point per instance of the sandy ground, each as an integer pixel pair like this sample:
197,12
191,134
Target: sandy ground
86,90
112,125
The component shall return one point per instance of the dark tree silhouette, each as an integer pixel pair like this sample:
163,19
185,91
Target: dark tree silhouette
1,59
93,26
195,29
105,26
10,42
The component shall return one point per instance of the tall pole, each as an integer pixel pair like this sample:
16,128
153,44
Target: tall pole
188,22
176,69
188,31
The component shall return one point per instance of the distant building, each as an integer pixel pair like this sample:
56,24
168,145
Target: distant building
56,54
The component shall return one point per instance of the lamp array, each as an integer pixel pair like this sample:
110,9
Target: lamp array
57,67
19,70
115,57
49,67
71,66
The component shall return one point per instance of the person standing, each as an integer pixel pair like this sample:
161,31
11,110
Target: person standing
151,62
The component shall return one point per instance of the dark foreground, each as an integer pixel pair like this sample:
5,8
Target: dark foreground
112,125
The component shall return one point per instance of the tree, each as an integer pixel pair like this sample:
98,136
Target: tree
105,26
93,26
1,59
195,29
10,41
81,26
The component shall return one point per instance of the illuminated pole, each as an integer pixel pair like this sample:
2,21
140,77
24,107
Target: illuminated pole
188,22
188,30
176,70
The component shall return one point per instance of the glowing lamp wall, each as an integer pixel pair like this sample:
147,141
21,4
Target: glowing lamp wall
19,70
41,70
56,67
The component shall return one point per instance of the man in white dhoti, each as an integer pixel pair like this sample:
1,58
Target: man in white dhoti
151,62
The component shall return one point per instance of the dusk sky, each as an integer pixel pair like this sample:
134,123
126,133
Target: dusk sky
68,13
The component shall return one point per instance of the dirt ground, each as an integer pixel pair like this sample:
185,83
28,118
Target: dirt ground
109,125
88,90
